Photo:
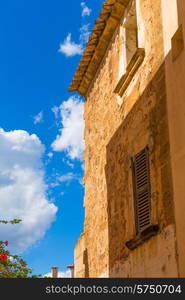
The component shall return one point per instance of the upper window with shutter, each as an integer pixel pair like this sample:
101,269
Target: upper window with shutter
131,33
132,54
141,187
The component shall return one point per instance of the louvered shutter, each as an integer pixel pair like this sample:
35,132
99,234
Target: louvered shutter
141,186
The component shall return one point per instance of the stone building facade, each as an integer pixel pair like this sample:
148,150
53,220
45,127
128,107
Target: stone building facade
132,77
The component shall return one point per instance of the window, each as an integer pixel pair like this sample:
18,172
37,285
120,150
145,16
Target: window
142,200
141,190
131,42
133,55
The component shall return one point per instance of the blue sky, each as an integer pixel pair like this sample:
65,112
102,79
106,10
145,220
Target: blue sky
40,174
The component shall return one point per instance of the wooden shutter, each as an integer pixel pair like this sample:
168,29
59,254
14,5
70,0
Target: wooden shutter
141,186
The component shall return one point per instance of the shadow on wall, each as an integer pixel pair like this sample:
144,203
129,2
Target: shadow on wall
86,263
145,125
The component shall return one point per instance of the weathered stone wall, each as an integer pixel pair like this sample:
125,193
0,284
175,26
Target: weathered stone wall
79,267
116,129
146,124
175,74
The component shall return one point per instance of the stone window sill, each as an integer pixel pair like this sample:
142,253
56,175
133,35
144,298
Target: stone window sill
143,236
131,69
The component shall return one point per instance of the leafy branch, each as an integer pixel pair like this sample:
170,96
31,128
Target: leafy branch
14,221
12,266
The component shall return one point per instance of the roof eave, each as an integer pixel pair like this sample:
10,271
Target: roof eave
104,28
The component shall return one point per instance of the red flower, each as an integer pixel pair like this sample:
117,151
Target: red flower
24,266
3,257
6,243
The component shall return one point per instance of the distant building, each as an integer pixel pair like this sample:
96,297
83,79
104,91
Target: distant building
54,272
132,75
71,268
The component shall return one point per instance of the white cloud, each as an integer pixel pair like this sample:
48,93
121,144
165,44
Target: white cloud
38,118
70,48
23,190
54,184
67,177
84,33
64,274
55,109
70,164
86,11
71,137
50,154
